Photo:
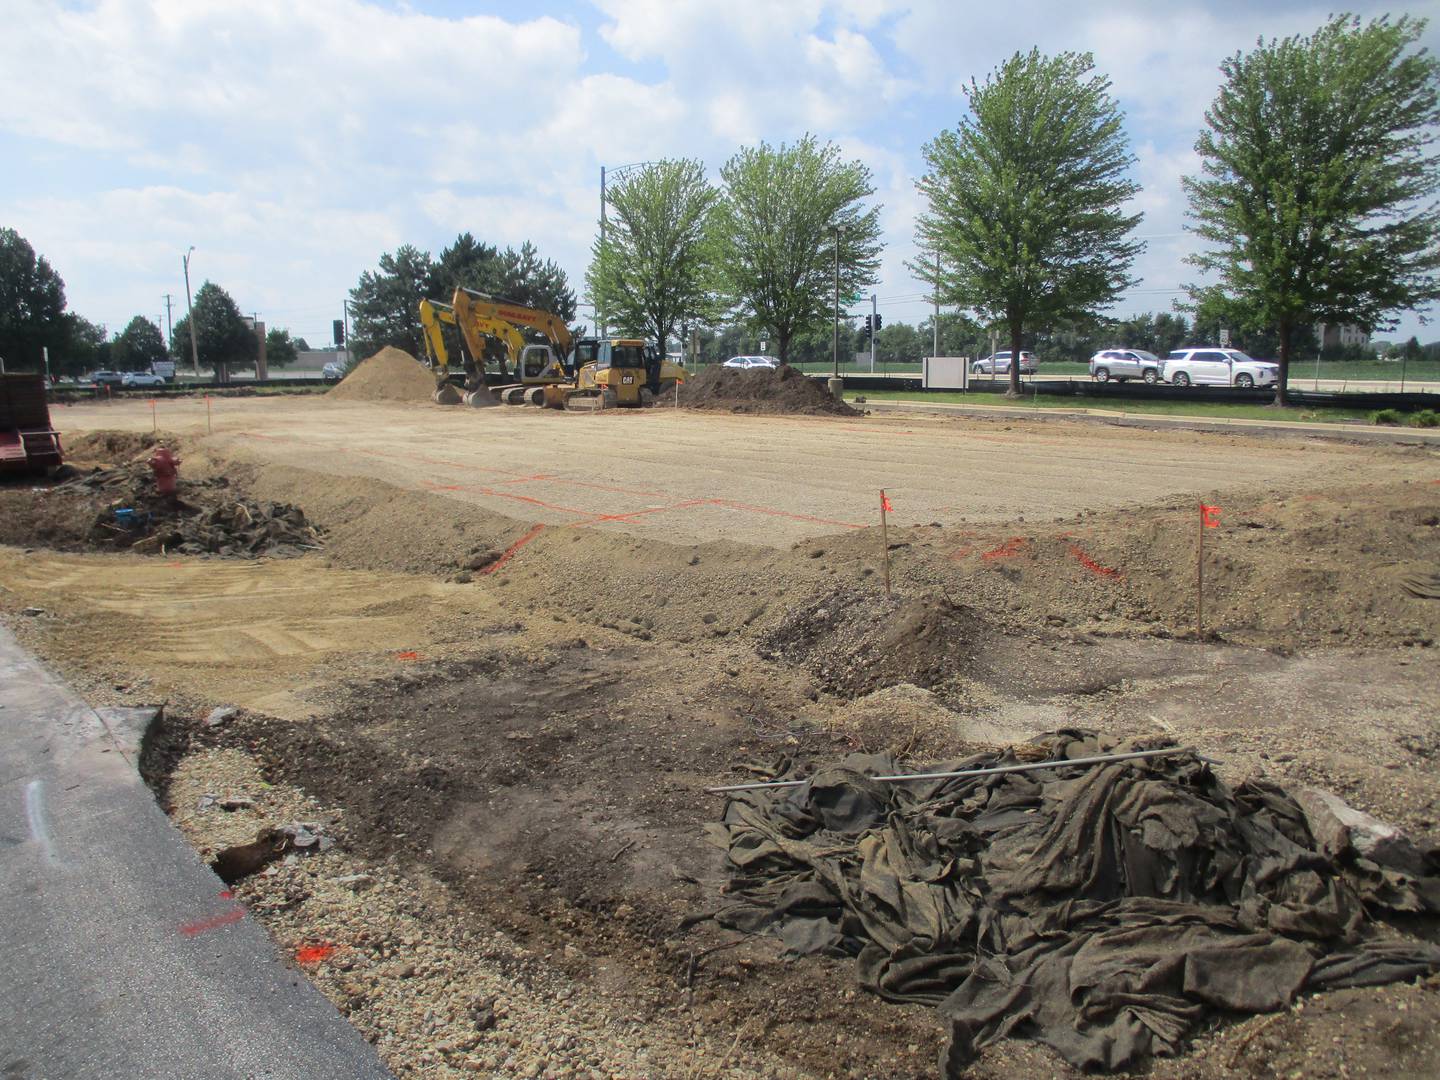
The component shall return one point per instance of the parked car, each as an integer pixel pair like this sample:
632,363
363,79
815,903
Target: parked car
999,364
105,378
1217,367
1125,364
753,362
141,378
332,372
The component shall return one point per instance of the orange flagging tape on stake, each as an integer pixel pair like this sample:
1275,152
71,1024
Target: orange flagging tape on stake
885,508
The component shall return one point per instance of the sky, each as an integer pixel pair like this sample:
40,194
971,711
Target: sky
292,142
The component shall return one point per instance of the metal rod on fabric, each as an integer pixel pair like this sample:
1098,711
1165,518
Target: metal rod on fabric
995,771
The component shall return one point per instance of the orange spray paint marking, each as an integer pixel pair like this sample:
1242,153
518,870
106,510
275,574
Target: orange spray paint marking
512,549
407,655
200,926
226,894
1091,565
313,954
1008,550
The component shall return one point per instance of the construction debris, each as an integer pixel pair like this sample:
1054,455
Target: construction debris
1102,911
121,507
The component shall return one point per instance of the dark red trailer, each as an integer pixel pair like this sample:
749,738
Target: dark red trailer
28,444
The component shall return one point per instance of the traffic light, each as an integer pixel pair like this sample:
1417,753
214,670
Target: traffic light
337,331
879,321
868,328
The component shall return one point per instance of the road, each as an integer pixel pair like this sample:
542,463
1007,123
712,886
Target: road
1379,386
687,477
125,956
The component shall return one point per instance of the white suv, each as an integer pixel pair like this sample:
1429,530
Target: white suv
747,362
1217,367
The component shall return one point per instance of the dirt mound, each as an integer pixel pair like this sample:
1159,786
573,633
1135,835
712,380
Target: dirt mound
390,375
857,641
108,447
760,390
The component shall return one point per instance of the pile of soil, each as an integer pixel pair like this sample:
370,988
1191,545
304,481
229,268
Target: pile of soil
854,641
120,509
760,390
108,447
390,375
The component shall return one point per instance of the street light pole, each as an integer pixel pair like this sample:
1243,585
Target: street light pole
190,307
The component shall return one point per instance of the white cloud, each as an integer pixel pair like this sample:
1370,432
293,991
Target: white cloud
293,143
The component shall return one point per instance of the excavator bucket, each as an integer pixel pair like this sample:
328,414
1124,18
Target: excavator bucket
446,394
555,397
479,399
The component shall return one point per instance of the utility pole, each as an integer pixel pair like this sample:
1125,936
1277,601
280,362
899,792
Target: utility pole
190,307
935,323
874,322
169,323
835,357
599,321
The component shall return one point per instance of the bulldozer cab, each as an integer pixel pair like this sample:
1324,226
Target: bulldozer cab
621,354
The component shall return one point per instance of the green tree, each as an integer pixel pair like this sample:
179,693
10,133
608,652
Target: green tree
32,304
84,347
1318,185
525,278
898,343
138,346
385,305
959,334
281,350
222,337
776,227
1411,349
653,270
1025,198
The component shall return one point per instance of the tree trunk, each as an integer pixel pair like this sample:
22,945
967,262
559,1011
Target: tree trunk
1015,333
782,343
1282,381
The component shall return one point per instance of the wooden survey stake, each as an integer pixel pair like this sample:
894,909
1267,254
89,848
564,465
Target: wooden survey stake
885,539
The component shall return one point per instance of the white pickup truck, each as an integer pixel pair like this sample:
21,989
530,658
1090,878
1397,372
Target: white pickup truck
1217,367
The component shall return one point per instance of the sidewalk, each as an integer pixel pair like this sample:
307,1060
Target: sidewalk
1158,421
121,956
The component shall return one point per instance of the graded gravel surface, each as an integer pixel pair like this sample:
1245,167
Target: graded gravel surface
682,476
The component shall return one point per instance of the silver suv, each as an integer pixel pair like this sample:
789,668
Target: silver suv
999,364
1124,364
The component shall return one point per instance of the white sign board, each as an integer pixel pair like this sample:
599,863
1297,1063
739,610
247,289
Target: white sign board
946,372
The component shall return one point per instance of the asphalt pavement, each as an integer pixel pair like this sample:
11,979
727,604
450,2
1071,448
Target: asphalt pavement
122,954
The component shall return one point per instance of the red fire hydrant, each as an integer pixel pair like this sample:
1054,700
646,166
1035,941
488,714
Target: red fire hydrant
167,470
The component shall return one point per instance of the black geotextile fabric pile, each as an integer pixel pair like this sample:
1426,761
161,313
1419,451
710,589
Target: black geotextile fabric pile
1102,910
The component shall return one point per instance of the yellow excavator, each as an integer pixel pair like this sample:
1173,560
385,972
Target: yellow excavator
478,317
614,371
